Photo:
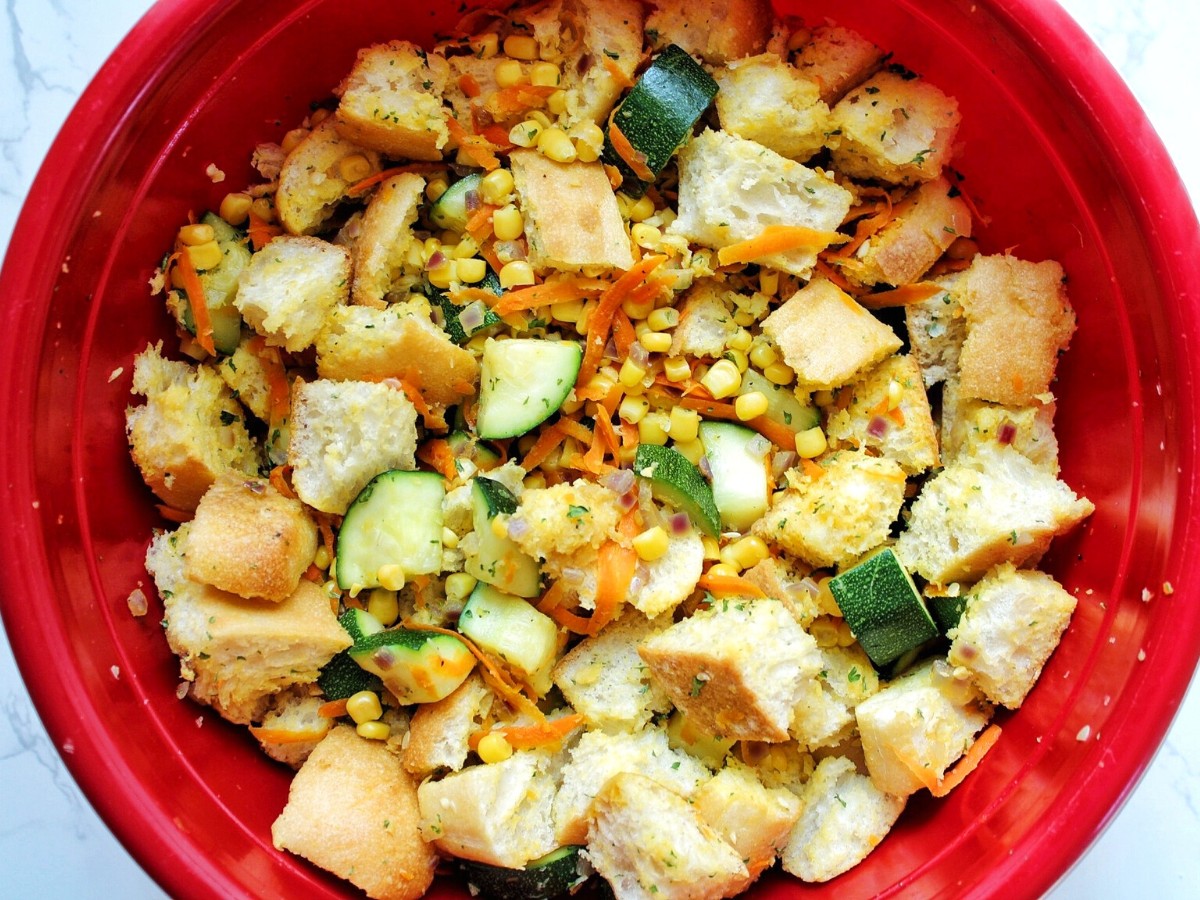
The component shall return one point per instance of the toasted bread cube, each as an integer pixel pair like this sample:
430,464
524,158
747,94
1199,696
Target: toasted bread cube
705,321
838,59
819,719
917,727
566,518
239,652
763,99
1010,303
599,755
834,519
605,680
439,733
352,810
1013,621
927,221
735,669
672,577
311,184
246,376
895,128
650,843
755,820
385,236
715,31
290,287
497,813
844,818
1027,429
612,40
344,433
732,189
888,413
392,101
571,214
826,337
293,726
782,578
937,328
189,431
993,507
249,539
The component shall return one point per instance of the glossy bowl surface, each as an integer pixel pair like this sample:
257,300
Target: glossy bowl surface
1058,158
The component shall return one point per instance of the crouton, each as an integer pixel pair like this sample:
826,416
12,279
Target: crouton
895,128
563,519
344,433
599,755
732,189
605,680
650,843
819,719
927,221
716,32
936,331
705,321
670,579
780,578
763,99
238,652
1012,623
392,101
1012,303
844,818
289,288
571,214
606,60
311,183
838,59
385,236
439,732
889,413
246,377
847,674
992,507
352,810
736,668
249,539
826,337
498,813
188,432
833,519
1027,429
915,728
755,820
293,726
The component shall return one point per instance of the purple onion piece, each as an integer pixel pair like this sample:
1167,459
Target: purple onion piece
1007,433
619,481
639,355
782,461
573,575
436,260
472,316
610,350
509,250
705,467
758,446
628,500
681,523
517,528
877,427
641,576
472,201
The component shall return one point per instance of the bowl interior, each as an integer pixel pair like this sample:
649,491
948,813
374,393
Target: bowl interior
1055,154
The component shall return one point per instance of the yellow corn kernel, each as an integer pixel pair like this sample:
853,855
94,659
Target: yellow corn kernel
459,587
515,274
364,707
653,429
191,235
589,133
494,747
685,424
751,405
763,355
466,247
568,311
557,102
383,605
646,236
521,46
534,481
571,405
894,393
292,139
435,189
322,559
449,538
263,208
712,549
741,340
655,341
722,380
509,73
205,256
663,318
677,369
485,46
823,398
631,374
633,409
728,558
544,74
825,631
846,638
507,223
235,207
638,309
748,551
738,358
768,281
641,210
525,134
585,313
374,731
354,168
440,276
780,374
554,144
601,383
722,570
429,247
496,186
744,317
652,544
390,576
470,271
692,451
541,118
811,443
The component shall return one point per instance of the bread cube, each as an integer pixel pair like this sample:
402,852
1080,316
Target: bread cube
847,674
290,287
937,328
1012,622
249,539
780,577
650,843
391,101
826,337
571,214
1027,429
833,519
763,99
755,820
819,719
565,518
605,680
844,818
439,733
705,321
895,128
246,377
889,413
1010,303
915,728
732,189
735,669
838,59
992,507
344,433
189,431
352,810
607,58
385,236
599,755
293,726
311,184
715,31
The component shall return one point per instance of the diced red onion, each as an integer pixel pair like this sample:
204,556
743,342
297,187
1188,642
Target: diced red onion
1007,433
436,260
641,576
877,427
472,201
758,446
472,316
610,350
681,523
619,481
705,467
509,250
517,528
628,500
782,461
639,355
807,585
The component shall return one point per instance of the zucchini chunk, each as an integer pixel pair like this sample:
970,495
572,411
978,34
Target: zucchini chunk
464,446
342,677
416,666
783,406
552,875
513,630
883,608
674,480
220,287
522,382
451,210
499,561
740,475
462,323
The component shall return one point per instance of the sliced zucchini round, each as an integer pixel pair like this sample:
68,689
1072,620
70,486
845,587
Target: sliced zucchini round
514,630
674,480
416,666
498,560
552,875
450,210
740,473
524,381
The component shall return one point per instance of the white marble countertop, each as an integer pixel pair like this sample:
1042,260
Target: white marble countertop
53,845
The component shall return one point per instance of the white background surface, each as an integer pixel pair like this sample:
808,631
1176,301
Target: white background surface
51,842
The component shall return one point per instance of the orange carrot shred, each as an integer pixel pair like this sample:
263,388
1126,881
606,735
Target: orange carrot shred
624,335
547,293
552,731
905,295
600,320
261,231
196,300
469,85
479,225
477,148
437,454
279,481
777,239
635,159
425,168
727,585
971,759
811,469
334,709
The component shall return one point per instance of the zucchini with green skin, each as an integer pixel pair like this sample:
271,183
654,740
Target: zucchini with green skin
674,480
464,446
416,666
740,472
514,630
220,287
783,406
552,875
342,677
498,560
522,382
451,210
462,323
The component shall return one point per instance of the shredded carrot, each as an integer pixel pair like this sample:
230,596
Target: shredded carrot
497,136
635,159
326,529
630,437
196,300
279,481
778,239
615,568
334,709
971,759
546,444
286,735
171,514
866,227
623,333
469,85
552,731
576,429
425,168
488,251
261,231
509,102
832,276
408,385
600,320
620,79
726,585
479,225
547,293
314,573
811,469
475,147
437,454
279,390
905,295
606,435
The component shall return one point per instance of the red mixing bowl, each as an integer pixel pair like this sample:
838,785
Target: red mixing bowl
1056,154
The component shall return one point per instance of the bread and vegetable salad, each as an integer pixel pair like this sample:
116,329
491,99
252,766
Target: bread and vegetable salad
598,449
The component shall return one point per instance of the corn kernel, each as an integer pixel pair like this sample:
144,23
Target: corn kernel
430,247
507,223
825,631
846,638
763,355
722,570
440,276
541,118
568,311
521,46
585,313
494,747
631,374
644,235
205,256
470,271
354,168
554,144
692,451
449,538
677,369
585,152
509,73
534,481
768,281
374,731
466,247
435,189
571,405
712,549
590,133
557,102
383,605
515,274
652,544
364,707
823,398
235,207
544,74
653,428
390,576
894,392
749,551
685,424
292,139
751,405
601,383
738,358
729,558
663,318
811,443
638,309
191,235
633,409
485,46
655,341
525,134
780,374
496,186
263,208
322,559
642,209
722,380
740,341
459,587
